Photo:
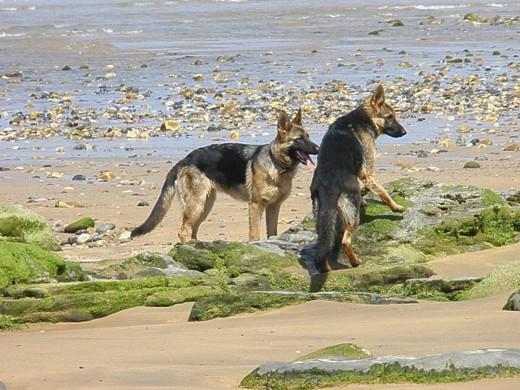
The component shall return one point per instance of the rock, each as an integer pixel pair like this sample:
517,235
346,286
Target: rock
107,176
512,148
503,279
226,305
452,367
23,225
83,223
132,182
125,236
105,227
145,264
513,302
79,177
472,165
29,263
464,129
170,125
83,238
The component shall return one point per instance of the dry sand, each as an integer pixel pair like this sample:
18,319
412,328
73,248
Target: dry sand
151,348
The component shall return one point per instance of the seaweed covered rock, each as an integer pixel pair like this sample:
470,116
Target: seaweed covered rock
18,224
145,264
336,371
26,250
80,224
440,220
28,263
94,299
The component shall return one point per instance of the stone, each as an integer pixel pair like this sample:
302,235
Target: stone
512,148
170,125
105,227
472,165
83,223
513,302
451,366
29,263
23,225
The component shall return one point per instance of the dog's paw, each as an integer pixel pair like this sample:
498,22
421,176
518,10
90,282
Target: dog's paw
398,209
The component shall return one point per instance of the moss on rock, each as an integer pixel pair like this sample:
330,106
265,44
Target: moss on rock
346,350
28,263
89,300
504,279
80,224
18,224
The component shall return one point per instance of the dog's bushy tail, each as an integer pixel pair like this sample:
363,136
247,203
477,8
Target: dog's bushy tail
326,217
161,206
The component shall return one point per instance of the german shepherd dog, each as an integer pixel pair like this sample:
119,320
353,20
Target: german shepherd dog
261,175
346,156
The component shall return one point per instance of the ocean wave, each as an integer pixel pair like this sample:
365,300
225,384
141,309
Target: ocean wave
424,7
6,35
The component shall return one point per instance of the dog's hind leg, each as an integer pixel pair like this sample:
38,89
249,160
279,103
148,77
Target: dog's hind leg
210,201
348,209
197,197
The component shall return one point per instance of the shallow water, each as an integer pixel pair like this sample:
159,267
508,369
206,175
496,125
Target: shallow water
283,49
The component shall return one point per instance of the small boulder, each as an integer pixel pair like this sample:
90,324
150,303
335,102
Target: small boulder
81,224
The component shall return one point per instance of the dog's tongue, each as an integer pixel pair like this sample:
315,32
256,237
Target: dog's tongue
310,163
308,160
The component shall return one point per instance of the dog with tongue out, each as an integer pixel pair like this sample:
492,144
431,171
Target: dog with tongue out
261,175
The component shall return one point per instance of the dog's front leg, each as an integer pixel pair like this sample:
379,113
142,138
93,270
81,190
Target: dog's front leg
271,218
255,213
370,181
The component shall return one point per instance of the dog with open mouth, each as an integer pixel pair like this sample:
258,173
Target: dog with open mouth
261,175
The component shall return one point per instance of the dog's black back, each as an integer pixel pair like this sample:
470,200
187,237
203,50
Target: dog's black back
336,181
225,164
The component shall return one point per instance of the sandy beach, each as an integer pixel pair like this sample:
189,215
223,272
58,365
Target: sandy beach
85,89
156,348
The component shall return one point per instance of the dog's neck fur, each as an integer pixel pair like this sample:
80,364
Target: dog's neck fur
278,163
361,115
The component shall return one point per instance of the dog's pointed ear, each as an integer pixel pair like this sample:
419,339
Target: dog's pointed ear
298,118
378,97
283,124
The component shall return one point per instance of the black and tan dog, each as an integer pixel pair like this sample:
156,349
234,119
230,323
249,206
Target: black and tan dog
261,175
346,156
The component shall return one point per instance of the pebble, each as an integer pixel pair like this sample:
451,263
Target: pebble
472,165
104,228
512,148
107,176
79,177
66,205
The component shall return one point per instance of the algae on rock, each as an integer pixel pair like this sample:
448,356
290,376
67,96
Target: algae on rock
18,224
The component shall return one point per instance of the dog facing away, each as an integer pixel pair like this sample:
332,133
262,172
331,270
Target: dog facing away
261,175
347,155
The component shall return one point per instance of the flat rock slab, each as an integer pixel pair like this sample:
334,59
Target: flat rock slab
466,361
